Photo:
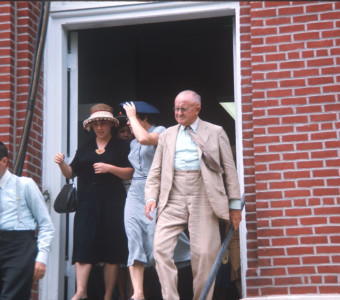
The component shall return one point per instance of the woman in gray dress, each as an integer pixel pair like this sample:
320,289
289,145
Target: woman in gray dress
139,229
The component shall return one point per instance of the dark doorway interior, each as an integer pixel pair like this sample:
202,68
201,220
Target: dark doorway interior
154,62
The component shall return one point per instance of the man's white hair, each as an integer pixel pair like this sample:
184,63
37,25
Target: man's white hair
196,97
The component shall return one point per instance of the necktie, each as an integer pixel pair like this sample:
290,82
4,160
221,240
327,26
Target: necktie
208,159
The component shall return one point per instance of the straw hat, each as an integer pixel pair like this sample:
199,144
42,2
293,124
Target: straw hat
100,112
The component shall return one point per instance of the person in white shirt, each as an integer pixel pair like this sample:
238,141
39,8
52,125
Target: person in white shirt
185,182
22,211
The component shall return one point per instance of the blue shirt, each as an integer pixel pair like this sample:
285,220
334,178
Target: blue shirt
25,209
141,156
186,156
186,153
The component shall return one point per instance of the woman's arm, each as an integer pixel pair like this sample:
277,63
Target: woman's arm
64,167
140,133
123,173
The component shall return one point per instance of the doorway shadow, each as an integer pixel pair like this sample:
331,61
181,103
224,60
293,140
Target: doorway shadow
152,287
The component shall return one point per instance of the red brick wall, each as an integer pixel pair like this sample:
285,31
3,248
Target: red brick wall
290,57
17,42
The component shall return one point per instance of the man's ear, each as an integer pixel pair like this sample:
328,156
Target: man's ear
5,160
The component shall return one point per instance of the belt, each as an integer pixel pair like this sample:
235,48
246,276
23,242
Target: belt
17,233
187,171
139,178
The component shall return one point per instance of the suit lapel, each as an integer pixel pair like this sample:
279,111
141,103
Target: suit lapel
202,130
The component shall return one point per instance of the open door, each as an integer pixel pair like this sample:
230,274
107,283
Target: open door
113,51
70,149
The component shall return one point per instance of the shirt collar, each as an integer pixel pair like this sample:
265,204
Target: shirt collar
4,178
193,126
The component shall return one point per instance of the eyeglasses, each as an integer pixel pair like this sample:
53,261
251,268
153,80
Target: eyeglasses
182,109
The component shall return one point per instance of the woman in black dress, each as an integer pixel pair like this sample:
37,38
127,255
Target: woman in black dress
101,164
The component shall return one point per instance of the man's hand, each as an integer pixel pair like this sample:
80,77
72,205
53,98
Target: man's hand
39,271
150,206
235,218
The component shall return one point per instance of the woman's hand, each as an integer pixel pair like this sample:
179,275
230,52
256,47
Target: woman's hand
130,109
64,167
140,128
59,158
100,168
121,172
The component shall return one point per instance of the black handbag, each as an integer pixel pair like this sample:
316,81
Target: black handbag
67,200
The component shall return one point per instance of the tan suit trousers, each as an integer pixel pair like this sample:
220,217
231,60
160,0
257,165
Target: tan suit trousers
187,206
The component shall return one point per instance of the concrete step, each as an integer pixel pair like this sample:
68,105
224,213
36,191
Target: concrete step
297,297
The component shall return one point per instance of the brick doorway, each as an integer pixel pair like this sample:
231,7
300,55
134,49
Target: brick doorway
202,36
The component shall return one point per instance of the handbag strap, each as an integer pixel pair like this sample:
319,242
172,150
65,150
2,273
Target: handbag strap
72,178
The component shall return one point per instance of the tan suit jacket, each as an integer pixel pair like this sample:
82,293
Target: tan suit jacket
160,177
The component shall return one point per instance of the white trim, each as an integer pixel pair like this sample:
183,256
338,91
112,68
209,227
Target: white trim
58,6
143,13
239,142
66,16
54,130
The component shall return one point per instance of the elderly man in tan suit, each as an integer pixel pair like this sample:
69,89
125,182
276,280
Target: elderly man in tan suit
189,192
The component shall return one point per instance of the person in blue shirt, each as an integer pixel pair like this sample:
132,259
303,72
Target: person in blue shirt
22,211
139,229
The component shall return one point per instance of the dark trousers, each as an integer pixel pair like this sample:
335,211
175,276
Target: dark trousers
18,250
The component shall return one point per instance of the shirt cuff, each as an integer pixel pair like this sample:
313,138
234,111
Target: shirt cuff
235,204
149,200
42,257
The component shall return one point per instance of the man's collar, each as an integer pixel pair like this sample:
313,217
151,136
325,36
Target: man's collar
4,178
193,126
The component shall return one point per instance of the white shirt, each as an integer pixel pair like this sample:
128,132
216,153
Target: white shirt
28,213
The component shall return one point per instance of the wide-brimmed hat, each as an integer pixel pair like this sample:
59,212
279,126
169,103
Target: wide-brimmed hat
100,112
143,107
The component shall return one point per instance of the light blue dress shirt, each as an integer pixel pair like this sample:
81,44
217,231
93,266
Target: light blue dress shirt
186,153
186,156
25,209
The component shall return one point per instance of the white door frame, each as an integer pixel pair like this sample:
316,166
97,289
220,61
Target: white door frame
66,16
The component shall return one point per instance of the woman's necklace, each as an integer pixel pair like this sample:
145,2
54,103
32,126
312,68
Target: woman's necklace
100,151
101,148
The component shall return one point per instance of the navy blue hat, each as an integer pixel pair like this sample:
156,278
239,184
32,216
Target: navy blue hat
143,107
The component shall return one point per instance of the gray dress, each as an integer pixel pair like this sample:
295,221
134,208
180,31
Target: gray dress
139,229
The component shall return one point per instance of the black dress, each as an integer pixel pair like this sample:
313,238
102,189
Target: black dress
99,234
